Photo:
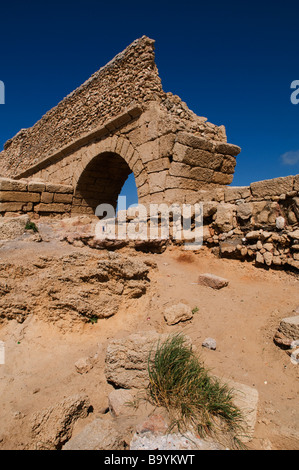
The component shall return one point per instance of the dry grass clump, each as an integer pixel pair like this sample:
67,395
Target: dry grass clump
181,384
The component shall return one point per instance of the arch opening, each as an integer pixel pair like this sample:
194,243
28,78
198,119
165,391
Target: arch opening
102,181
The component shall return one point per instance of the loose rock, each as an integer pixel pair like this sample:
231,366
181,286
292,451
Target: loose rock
210,280
177,313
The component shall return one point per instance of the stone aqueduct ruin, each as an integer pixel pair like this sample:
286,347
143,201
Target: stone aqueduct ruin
120,121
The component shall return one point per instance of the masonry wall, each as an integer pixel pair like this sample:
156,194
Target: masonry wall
259,222
131,78
34,198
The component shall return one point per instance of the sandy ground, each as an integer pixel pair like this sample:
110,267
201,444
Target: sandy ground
40,358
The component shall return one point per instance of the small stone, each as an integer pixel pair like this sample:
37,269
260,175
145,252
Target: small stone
177,313
209,343
259,245
268,257
280,223
210,280
281,340
295,357
259,258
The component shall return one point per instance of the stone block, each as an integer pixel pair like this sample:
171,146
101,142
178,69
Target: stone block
227,149
186,171
61,197
119,402
246,399
36,186
157,181
19,196
100,434
194,141
8,184
203,158
53,426
290,327
11,206
47,198
273,187
213,194
224,220
236,192
127,359
60,208
210,280
166,143
183,183
296,183
158,165
222,178
228,164
244,211
59,188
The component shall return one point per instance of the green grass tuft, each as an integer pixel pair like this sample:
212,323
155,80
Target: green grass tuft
31,226
181,384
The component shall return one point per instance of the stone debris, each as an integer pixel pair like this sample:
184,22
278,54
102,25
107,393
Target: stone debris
53,426
287,337
100,434
295,357
210,280
177,313
290,327
119,401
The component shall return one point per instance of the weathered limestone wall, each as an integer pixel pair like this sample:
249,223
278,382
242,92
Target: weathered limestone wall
34,198
259,222
169,164
130,79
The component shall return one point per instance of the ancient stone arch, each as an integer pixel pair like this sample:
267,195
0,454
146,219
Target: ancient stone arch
101,171
121,121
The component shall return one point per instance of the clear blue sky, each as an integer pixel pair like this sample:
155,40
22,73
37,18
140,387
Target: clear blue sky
232,62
